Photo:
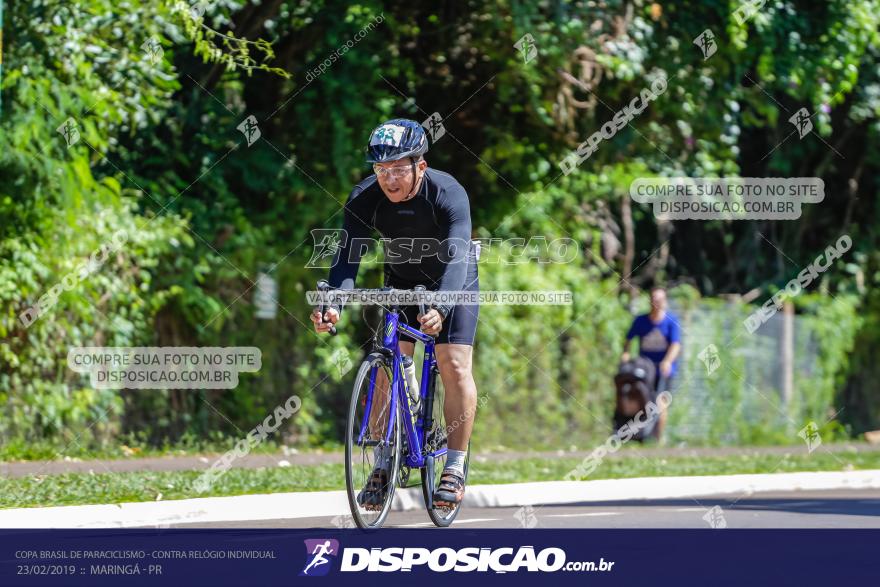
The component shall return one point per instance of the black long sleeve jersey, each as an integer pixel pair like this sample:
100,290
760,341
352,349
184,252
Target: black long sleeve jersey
428,235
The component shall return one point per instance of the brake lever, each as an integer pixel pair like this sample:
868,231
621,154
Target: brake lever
420,288
324,286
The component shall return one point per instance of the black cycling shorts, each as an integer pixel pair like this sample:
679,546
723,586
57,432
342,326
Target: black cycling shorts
460,326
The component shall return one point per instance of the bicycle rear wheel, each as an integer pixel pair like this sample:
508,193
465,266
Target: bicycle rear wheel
431,472
367,433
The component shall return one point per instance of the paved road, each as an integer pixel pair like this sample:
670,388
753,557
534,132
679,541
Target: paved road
802,509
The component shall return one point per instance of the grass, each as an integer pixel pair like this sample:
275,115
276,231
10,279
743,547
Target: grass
20,450
104,488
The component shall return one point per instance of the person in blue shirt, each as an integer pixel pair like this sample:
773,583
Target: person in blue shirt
659,336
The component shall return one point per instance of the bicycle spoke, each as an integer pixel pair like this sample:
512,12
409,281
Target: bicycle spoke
372,432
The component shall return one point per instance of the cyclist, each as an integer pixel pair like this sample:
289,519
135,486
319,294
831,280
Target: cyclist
406,201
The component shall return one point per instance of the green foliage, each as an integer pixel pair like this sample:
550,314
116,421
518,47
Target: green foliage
740,401
160,156
59,206
232,52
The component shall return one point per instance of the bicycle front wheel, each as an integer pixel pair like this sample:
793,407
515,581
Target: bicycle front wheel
373,436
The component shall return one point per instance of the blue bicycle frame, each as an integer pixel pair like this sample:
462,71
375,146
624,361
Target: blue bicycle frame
414,431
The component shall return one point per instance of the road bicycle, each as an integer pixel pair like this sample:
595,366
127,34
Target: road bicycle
408,424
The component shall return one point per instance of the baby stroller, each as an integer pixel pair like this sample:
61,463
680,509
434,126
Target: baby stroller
635,388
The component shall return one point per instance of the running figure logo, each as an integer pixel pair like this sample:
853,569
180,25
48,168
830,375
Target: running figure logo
153,50
70,131
810,434
326,242
317,551
434,125
527,47
801,121
710,358
250,130
706,43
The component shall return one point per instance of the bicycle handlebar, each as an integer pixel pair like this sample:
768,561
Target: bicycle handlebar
324,286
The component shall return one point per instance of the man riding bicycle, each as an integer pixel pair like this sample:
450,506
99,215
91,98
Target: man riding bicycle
405,201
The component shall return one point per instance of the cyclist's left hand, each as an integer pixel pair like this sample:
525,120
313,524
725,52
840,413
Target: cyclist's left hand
432,322
665,368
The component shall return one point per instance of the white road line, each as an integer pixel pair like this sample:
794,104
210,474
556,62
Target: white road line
473,520
456,523
584,515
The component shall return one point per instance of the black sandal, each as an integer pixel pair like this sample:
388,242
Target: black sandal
450,491
372,496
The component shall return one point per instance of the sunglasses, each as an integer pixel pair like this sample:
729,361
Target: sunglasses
397,172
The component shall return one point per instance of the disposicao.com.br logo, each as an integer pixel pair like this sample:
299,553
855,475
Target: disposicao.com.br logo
440,560
317,552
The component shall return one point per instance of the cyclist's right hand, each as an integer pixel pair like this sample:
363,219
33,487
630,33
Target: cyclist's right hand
331,316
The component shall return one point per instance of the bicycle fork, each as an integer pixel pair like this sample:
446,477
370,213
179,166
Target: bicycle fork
428,426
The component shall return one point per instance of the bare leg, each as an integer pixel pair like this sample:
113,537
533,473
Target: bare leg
455,364
381,396
379,406
407,348
661,424
664,409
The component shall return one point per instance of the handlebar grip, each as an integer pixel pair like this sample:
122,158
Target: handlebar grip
324,286
420,288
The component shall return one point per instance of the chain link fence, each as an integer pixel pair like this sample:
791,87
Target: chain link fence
737,387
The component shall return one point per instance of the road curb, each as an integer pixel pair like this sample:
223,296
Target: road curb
244,508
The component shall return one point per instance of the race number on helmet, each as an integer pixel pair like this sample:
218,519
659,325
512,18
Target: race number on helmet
397,139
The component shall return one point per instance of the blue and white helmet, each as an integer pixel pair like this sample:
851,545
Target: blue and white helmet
397,139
